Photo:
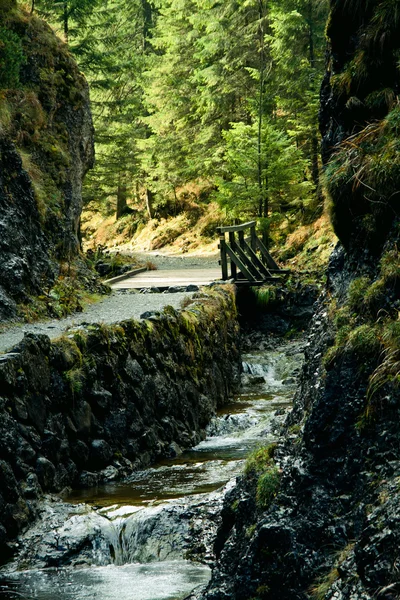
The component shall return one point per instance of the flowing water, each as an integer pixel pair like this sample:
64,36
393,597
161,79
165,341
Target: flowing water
131,540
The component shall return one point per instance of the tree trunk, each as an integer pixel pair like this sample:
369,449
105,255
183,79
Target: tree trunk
314,135
65,19
261,200
121,197
149,203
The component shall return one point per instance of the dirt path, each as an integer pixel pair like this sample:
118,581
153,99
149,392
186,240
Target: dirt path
119,306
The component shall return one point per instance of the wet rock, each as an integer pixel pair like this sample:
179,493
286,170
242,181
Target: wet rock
100,454
88,479
31,488
45,471
174,450
82,418
79,452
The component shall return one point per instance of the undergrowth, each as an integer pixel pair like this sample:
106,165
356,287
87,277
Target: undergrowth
367,325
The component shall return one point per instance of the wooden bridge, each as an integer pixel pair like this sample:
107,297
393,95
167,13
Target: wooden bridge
249,260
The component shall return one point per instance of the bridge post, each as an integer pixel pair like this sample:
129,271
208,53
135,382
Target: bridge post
232,243
224,262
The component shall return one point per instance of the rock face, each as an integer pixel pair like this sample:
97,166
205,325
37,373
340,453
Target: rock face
359,121
332,530
46,147
104,401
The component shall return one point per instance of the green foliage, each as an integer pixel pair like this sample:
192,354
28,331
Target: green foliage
364,340
268,486
388,371
75,378
12,58
179,96
271,158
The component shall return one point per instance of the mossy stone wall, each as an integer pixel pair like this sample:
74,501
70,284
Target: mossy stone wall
106,400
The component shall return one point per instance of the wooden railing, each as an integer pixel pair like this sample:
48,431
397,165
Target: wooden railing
250,261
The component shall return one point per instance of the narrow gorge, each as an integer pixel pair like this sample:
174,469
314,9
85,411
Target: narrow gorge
244,446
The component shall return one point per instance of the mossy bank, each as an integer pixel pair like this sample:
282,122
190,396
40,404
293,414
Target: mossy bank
96,404
46,147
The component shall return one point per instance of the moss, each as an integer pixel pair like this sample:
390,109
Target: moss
390,266
265,297
70,350
268,486
250,531
260,459
75,378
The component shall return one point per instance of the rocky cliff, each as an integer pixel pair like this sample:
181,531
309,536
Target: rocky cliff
317,516
46,147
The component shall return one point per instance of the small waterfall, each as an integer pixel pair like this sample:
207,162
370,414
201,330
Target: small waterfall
154,534
230,424
258,370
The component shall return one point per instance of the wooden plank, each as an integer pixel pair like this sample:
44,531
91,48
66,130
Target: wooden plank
235,260
268,258
257,262
246,261
253,237
233,264
224,263
244,282
236,228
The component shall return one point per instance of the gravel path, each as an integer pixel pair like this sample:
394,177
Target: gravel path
185,261
117,307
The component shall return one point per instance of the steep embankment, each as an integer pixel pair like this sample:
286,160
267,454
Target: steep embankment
106,400
318,515
46,147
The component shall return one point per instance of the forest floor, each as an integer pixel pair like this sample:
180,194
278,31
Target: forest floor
119,306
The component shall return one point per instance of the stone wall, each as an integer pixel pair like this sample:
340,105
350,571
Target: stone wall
105,400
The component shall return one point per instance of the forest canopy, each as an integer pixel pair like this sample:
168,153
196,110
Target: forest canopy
222,94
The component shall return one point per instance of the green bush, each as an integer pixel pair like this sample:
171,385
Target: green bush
11,58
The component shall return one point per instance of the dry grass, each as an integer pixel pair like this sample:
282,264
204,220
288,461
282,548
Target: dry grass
309,246
192,230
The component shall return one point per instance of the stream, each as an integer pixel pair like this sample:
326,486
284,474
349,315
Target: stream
151,536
